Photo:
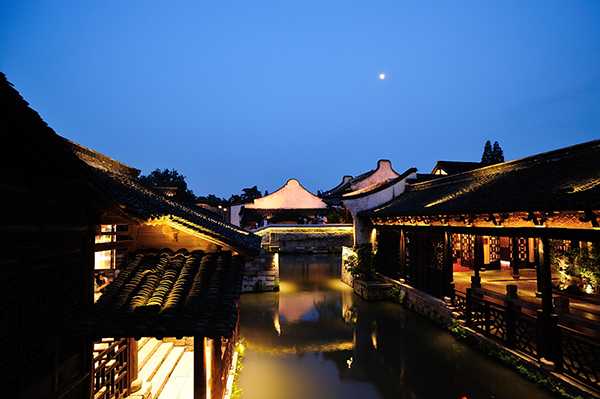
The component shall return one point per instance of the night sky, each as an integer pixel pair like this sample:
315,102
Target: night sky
234,94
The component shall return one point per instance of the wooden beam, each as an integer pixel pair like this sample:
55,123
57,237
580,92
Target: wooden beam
106,246
592,235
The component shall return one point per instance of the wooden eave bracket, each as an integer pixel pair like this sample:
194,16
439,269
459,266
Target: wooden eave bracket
590,216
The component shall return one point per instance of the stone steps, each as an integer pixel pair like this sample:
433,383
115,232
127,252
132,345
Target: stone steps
166,370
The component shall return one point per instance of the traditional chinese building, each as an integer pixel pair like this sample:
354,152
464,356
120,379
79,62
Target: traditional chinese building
502,220
383,173
288,205
66,208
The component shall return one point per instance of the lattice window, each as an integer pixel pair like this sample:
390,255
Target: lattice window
523,254
456,240
494,249
467,248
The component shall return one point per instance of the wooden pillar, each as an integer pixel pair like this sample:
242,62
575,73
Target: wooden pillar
216,368
546,275
537,267
199,368
478,255
448,271
539,258
514,257
135,382
548,335
402,254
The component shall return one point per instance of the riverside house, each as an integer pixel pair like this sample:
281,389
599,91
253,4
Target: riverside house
67,210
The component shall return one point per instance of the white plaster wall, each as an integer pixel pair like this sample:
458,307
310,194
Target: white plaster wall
362,231
290,196
235,215
363,226
383,172
376,199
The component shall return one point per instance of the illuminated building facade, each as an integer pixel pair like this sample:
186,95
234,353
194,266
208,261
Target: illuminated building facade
537,215
285,206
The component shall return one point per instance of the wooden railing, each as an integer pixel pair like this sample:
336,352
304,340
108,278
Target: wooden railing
581,356
111,377
578,354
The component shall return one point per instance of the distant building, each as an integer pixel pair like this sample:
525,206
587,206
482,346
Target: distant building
285,206
454,167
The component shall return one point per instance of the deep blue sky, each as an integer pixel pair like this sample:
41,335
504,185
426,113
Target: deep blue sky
234,94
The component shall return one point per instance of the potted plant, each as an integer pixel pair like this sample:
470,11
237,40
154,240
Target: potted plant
362,265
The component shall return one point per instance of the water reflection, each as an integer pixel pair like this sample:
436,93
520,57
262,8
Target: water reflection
317,339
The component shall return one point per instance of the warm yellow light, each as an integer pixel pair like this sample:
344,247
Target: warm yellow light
277,326
374,340
208,343
381,76
589,289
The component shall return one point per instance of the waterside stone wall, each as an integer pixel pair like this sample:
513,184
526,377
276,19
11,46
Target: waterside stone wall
421,302
262,274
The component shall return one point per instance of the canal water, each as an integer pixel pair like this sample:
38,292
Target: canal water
317,339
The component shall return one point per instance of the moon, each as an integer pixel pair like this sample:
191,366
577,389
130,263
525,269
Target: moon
381,76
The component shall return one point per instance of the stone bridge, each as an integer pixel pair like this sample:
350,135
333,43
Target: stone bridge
262,274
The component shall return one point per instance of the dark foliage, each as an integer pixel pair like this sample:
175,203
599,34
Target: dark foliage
486,158
169,178
492,155
497,154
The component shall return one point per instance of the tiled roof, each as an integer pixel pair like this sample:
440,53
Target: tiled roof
346,186
565,179
166,294
373,188
144,204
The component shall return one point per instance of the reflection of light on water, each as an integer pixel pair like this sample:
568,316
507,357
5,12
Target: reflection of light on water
349,362
277,351
374,339
277,326
287,287
338,285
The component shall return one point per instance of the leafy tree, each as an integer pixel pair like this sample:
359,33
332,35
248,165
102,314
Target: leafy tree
497,154
213,200
169,178
234,199
487,157
250,194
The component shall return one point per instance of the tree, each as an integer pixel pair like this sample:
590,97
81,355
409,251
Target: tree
497,154
487,157
250,194
234,199
169,178
212,200
492,155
